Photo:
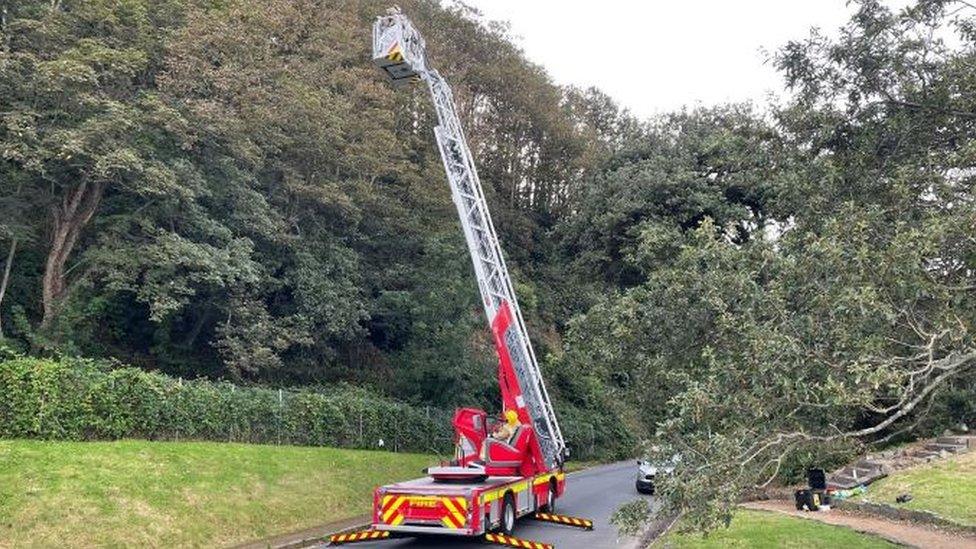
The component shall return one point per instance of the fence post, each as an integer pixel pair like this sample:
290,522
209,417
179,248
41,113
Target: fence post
281,413
233,420
179,382
592,440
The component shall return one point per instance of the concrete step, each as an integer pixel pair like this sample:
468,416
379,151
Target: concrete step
951,440
954,448
870,464
847,481
862,472
962,440
843,482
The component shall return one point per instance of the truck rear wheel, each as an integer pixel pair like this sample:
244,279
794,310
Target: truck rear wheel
508,514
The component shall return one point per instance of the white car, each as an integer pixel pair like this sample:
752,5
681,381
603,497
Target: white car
648,472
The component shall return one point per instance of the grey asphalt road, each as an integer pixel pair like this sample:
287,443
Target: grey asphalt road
594,494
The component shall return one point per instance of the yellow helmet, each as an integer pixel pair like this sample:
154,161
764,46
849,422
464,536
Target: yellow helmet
511,417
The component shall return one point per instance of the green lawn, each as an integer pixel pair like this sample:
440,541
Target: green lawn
946,487
757,529
137,493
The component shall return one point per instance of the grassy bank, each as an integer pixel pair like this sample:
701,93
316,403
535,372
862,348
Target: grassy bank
756,529
946,488
137,493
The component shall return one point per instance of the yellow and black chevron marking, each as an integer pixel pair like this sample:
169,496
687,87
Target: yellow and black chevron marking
395,54
510,541
367,535
563,519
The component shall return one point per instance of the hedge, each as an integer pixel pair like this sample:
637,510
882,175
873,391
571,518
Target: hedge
72,399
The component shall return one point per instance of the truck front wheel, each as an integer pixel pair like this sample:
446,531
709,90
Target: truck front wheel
550,505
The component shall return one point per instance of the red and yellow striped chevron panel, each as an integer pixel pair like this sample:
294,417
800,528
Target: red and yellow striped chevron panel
563,519
502,539
450,511
367,535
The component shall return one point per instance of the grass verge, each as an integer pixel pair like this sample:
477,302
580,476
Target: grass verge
757,529
946,488
138,493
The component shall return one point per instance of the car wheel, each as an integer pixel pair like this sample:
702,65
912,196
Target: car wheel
649,489
508,514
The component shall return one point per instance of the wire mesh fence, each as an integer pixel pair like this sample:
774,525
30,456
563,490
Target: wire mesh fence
85,401
81,400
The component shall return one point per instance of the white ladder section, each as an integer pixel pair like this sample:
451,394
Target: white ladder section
400,50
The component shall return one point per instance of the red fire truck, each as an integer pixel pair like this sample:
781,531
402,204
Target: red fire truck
502,469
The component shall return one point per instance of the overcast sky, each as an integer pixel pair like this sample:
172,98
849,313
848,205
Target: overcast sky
656,55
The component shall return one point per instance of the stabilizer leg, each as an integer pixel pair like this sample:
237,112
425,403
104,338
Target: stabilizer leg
510,541
563,519
354,537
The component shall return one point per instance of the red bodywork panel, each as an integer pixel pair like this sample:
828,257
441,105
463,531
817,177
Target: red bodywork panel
470,432
516,458
507,380
527,445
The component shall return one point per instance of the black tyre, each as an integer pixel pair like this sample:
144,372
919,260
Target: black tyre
508,515
549,505
645,489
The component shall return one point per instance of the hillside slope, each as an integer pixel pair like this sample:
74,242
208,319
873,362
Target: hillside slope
137,493
946,488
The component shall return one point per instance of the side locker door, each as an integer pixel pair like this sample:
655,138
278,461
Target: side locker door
493,514
524,499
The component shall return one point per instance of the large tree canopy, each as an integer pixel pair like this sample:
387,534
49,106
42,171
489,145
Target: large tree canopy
852,315
231,189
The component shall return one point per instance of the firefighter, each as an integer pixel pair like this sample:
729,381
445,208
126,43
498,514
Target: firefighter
505,431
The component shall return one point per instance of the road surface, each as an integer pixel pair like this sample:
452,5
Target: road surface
594,494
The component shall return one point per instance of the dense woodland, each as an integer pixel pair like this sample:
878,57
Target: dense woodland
227,189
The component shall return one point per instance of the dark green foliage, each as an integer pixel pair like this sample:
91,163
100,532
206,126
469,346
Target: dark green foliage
84,400
72,399
256,203
716,163
785,292
231,190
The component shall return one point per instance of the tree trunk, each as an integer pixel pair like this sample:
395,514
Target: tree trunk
3,28
197,327
6,279
68,219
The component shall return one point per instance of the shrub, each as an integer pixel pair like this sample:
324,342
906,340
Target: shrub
84,400
73,399
631,517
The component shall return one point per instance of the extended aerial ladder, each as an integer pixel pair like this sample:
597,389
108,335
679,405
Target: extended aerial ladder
400,50
491,482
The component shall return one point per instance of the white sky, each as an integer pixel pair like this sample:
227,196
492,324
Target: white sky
656,56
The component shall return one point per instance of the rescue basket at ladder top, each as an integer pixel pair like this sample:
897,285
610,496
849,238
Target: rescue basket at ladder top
398,49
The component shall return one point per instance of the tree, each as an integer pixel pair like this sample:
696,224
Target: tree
848,323
76,122
716,163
